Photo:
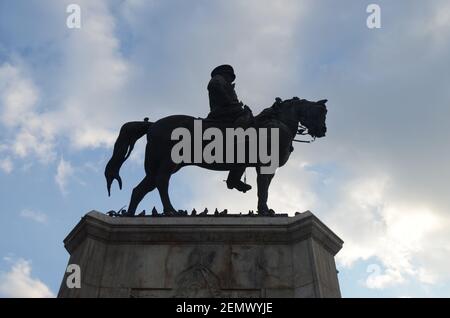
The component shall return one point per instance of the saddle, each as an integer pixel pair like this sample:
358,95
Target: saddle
235,116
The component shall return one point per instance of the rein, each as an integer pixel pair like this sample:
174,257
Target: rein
301,131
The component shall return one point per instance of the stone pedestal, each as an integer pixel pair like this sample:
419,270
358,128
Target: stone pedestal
230,256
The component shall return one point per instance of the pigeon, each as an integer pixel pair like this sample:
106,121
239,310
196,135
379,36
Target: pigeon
180,213
119,212
154,212
194,212
224,212
216,212
142,213
205,212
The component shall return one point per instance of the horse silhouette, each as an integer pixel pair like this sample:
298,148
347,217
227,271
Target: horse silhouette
286,116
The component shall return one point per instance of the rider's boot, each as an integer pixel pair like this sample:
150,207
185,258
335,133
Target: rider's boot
239,185
234,180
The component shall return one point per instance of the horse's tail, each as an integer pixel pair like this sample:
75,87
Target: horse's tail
129,134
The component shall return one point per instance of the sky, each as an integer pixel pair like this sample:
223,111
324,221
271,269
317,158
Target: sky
379,179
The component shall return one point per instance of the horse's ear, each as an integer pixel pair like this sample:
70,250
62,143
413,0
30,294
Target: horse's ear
277,104
323,101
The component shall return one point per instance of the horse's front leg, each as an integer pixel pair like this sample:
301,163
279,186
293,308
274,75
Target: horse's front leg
263,182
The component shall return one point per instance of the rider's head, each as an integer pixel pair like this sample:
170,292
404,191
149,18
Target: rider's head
226,71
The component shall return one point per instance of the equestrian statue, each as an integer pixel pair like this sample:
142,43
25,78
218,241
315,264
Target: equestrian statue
277,125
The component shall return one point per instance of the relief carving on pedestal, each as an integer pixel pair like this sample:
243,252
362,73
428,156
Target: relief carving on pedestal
197,279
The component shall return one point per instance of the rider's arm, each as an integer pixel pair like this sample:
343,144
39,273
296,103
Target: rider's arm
218,87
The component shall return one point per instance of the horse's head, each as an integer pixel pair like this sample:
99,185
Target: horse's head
312,115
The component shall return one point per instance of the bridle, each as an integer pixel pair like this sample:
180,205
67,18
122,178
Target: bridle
303,131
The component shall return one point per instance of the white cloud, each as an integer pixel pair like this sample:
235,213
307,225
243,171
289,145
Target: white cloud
436,24
85,101
18,113
379,280
402,236
64,172
18,282
6,165
34,215
97,74
19,96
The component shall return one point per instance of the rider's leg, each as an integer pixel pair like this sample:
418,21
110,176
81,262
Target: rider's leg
234,180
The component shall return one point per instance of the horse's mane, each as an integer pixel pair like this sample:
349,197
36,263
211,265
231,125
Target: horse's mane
273,111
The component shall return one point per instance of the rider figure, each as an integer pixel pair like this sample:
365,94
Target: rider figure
225,106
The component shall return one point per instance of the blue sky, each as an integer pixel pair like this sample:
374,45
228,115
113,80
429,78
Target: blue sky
379,179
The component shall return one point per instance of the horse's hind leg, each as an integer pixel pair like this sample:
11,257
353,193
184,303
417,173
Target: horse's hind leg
145,186
162,183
